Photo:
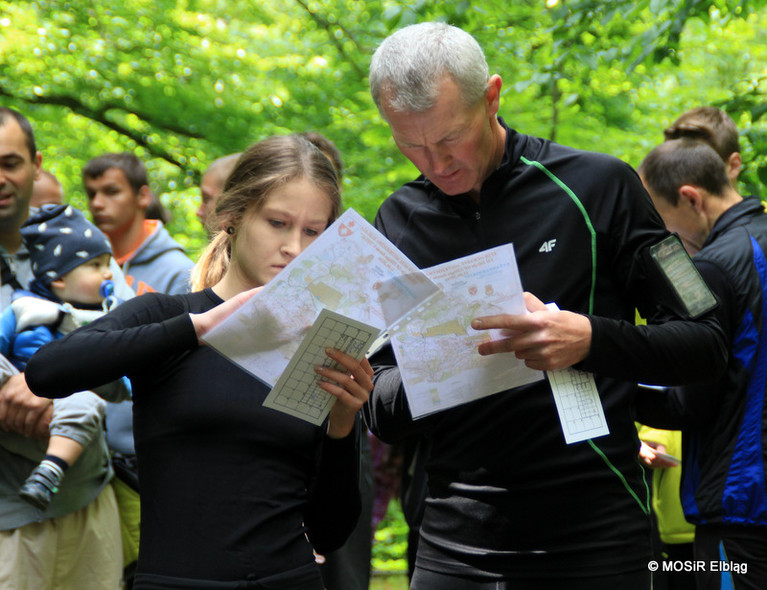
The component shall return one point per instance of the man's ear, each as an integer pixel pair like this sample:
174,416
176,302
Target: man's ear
37,162
144,197
734,165
691,196
493,94
58,283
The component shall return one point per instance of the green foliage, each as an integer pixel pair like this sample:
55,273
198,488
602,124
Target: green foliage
389,582
390,546
182,82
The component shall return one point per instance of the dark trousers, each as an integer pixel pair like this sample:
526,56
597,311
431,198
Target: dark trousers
306,577
348,568
674,580
741,551
427,580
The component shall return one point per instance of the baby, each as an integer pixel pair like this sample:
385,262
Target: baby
70,259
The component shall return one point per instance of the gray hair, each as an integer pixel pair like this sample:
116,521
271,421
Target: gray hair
410,63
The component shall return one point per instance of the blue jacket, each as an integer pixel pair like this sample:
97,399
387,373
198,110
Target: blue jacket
26,325
18,344
724,423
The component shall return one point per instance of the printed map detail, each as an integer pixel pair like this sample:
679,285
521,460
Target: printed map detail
297,391
435,346
350,269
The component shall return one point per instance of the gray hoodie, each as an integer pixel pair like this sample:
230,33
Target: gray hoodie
159,264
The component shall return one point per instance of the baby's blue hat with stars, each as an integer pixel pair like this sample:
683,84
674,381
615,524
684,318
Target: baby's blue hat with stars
60,238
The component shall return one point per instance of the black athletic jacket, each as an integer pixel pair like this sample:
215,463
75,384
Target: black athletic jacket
507,496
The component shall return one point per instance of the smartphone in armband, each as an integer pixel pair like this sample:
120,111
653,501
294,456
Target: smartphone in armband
679,272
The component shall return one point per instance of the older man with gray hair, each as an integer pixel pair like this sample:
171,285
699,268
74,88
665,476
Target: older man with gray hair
509,503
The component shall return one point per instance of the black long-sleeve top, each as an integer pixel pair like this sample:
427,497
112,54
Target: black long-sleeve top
507,497
228,488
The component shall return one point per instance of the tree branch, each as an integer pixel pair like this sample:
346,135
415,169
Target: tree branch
151,120
100,116
328,27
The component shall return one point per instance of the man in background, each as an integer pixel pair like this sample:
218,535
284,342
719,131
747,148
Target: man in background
716,128
118,194
211,186
46,191
117,187
724,444
75,543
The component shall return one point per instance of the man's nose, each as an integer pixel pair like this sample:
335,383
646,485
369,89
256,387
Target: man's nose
440,160
96,202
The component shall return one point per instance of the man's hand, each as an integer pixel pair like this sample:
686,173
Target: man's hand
545,339
22,411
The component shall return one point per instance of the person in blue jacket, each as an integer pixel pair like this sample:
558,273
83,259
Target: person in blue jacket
722,421
70,260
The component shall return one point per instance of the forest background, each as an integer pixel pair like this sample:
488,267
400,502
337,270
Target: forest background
182,82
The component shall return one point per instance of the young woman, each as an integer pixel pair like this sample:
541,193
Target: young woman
234,495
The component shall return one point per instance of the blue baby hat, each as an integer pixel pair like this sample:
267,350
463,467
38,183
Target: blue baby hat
60,238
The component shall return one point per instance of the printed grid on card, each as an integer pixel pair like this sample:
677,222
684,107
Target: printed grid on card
578,404
296,391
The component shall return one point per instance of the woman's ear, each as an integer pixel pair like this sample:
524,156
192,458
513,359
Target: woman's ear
225,223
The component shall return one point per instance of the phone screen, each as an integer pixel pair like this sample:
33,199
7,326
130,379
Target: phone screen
680,272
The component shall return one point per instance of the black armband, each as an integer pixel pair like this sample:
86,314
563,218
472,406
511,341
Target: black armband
676,283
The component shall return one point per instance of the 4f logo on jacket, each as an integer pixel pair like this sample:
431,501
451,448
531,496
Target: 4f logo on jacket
547,246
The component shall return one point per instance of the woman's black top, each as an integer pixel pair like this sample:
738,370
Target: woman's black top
229,489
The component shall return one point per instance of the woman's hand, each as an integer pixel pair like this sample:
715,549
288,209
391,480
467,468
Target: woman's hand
204,322
351,390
